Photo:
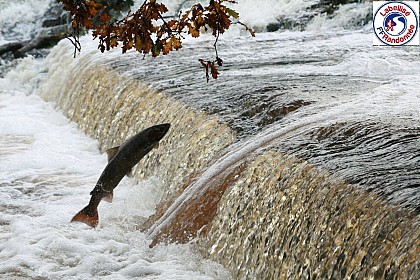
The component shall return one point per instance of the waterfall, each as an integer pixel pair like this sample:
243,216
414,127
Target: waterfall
284,218
111,108
267,205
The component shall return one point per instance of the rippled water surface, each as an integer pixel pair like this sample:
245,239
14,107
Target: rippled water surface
356,102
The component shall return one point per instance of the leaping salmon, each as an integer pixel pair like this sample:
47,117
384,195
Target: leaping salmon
121,160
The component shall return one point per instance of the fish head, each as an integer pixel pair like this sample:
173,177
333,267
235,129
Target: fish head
157,132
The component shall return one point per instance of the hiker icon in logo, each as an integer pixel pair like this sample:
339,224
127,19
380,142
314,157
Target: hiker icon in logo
395,23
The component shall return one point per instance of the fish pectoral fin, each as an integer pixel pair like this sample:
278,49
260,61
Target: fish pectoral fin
111,152
108,197
87,216
130,173
156,145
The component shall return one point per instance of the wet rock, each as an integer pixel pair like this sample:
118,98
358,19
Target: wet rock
55,16
55,27
273,26
39,42
10,47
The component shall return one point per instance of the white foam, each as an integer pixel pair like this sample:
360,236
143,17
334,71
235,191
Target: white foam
22,17
348,16
261,13
251,12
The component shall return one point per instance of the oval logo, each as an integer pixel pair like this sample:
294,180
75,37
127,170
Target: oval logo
395,23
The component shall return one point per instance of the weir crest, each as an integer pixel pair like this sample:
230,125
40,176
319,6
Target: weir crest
259,211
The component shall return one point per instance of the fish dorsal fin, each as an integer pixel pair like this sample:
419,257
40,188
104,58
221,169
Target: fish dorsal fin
130,173
111,152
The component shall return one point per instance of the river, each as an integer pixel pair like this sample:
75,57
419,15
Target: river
300,160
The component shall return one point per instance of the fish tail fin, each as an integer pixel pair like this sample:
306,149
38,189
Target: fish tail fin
88,216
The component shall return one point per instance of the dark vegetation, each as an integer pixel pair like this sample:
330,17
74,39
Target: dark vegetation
148,30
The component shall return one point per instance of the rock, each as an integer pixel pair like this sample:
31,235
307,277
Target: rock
56,25
39,42
10,47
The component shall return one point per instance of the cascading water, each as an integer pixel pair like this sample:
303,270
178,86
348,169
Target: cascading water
300,161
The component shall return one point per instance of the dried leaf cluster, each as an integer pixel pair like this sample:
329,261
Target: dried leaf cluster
148,31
